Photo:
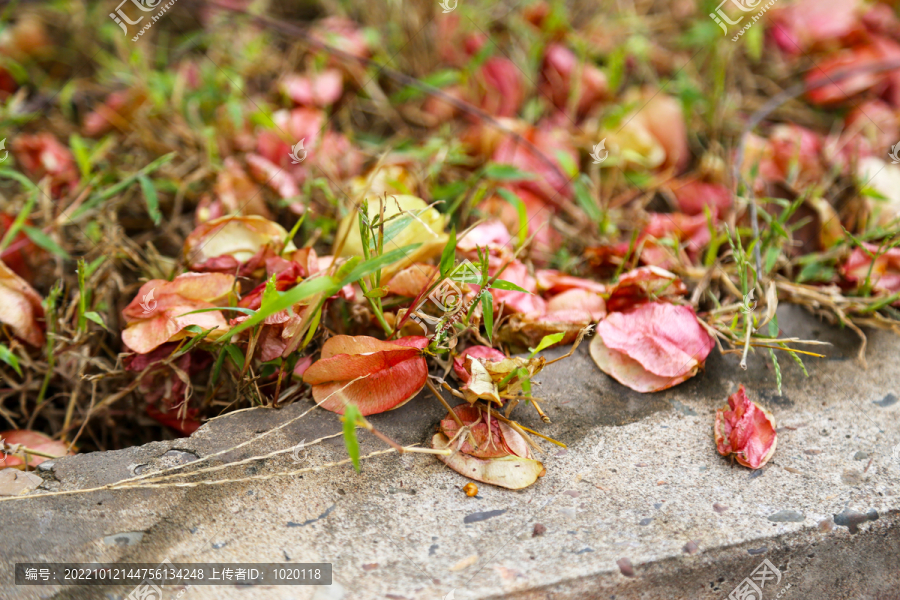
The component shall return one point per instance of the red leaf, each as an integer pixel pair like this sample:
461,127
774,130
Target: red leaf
185,426
390,373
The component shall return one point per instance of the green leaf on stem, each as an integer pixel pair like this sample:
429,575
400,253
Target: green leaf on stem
546,342
351,417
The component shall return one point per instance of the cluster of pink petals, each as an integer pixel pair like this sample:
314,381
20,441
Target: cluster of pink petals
852,35
158,316
235,192
789,150
694,197
325,149
746,431
644,284
41,155
117,110
319,89
157,313
810,24
548,183
556,302
883,271
558,72
22,310
462,361
238,245
538,214
869,129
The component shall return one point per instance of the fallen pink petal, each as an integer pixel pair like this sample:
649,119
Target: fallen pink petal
651,347
746,431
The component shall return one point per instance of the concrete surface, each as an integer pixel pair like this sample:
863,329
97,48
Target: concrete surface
640,506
